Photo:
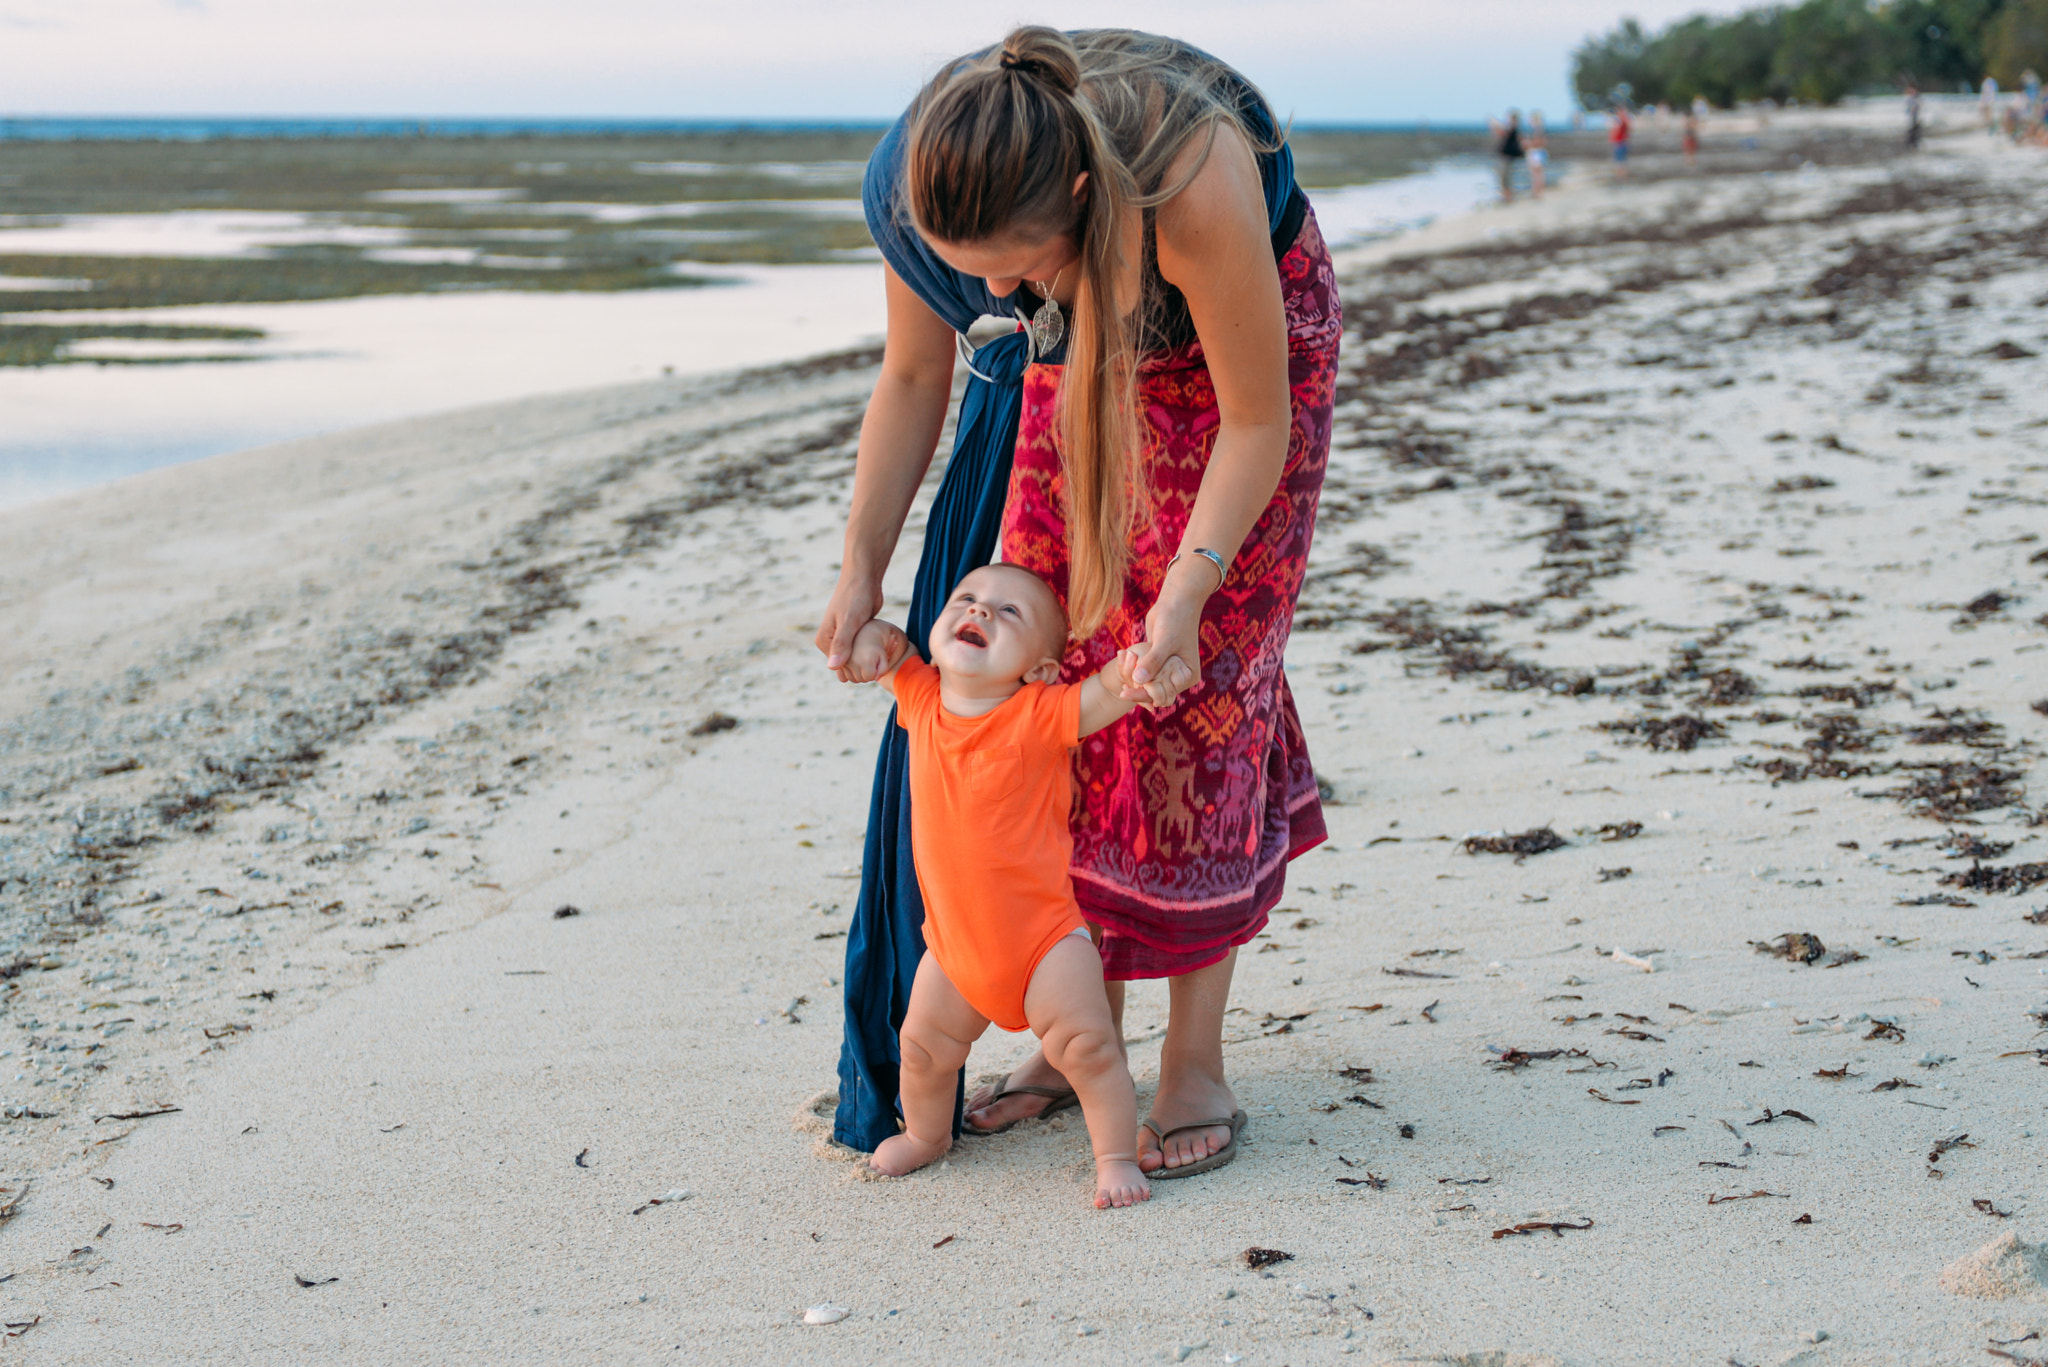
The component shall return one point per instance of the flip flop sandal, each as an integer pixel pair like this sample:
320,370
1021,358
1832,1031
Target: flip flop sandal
1057,1099
1217,1159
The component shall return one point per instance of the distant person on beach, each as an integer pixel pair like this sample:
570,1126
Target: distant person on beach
990,730
1618,132
1914,131
1537,145
1150,438
1987,105
1507,145
1689,136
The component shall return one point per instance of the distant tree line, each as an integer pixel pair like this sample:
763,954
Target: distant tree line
1815,52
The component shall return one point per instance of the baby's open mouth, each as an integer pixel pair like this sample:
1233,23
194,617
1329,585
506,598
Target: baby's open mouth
971,634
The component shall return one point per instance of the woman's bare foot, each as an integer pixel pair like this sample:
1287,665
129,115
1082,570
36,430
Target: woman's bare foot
985,1112
1119,1182
902,1154
1183,1100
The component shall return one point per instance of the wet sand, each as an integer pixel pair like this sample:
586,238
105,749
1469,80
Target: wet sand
1684,540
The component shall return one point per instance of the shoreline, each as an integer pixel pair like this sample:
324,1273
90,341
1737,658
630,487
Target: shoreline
1619,533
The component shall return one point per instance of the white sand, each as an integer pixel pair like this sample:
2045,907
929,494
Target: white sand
405,1115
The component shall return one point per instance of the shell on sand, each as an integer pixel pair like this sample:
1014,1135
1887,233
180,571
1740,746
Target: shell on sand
2007,1268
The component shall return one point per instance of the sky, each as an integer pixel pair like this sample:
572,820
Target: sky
1320,61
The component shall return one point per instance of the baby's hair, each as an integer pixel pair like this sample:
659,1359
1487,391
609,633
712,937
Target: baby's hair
1055,647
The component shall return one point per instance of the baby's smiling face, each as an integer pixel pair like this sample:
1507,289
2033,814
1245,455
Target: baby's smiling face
1001,629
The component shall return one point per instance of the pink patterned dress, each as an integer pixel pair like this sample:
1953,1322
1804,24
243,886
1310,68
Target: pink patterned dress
1185,819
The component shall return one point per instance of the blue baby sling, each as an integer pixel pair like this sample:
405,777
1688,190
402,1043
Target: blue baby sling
886,940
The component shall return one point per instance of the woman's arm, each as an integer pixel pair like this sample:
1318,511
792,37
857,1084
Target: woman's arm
1215,244
897,438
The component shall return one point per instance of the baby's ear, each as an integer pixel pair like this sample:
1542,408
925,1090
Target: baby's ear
1046,671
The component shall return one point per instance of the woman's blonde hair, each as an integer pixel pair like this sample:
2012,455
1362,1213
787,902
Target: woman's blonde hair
996,143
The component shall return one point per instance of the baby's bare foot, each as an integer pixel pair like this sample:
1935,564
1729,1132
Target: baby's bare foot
902,1154
1120,1182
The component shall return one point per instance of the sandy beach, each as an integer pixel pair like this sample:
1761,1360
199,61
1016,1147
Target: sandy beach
428,849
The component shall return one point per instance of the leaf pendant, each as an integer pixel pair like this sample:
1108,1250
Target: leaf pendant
1048,328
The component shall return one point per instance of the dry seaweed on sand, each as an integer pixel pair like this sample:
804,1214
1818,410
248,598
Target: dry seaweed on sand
1836,1074
1682,732
2013,878
1797,945
1770,1115
1956,727
1949,792
1989,1209
1964,845
1714,1200
1256,1258
1620,830
1942,1146
716,722
1514,1060
1894,1085
1556,1227
1540,840
2016,1358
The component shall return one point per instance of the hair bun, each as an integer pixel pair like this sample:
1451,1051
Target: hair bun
1044,54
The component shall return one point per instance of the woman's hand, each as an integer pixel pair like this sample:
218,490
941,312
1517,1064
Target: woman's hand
854,603
1168,662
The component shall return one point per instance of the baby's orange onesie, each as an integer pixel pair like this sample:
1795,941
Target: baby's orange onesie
989,803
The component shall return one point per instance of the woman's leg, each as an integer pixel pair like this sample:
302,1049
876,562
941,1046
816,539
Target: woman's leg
1191,1083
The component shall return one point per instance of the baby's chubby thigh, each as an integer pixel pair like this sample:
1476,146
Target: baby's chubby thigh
1067,1005
940,1024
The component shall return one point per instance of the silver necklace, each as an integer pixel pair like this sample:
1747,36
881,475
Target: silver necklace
1048,326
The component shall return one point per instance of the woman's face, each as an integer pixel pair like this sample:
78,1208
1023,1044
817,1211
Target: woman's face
1006,262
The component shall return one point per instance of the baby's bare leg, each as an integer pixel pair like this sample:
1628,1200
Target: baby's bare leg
1068,1008
938,1030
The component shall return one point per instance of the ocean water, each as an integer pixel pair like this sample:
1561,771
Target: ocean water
187,129
324,366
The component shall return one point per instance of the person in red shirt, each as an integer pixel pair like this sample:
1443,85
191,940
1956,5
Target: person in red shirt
1618,131
991,734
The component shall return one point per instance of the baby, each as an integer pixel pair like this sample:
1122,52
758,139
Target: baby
990,787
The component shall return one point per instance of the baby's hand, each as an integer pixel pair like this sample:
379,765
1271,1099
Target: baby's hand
1120,677
877,649
1116,676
